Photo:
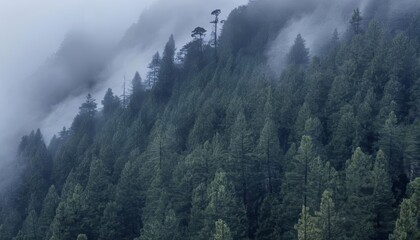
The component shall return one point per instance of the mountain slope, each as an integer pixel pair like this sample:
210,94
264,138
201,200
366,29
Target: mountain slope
222,148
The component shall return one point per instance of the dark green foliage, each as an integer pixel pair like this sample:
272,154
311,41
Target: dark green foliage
88,108
221,231
129,201
327,218
137,94
406,226
152,75
68,218
269,156
305,181
269,219
49,206
198,33
299,54
110,102
390,143
110,224
240,154
356,21
222,204
30,228
382,197
360,189
95,197
412,151
224,149
166,75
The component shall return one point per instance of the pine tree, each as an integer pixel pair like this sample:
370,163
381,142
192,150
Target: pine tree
360,188
161,151
356,21
299,54
365,125
222,204
88,108
153,73
162,226
166,76
269,154
170,225
382,197
151,231
110,225
401,61
327,219
83,125
34,155
66,223
313,128
130,200
269,219
30,228
197,219
406,226
240,154
222,231
391,100
299,186
389,142
136,84
334,43
196,168
303,115
110,102
49,206
412,152
306,228
342,142
156,204
95,196
198,33
137,94
304,159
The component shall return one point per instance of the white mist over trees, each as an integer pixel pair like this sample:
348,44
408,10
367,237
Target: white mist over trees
219,147
70,32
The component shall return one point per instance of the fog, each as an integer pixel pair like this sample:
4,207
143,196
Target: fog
52,53
316,21
32,31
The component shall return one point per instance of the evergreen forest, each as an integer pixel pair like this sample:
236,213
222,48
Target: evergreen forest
214,144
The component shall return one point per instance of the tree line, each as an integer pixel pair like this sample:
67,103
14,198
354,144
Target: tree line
220,148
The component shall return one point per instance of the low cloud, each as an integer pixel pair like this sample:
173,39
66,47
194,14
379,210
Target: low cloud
44,79
316,21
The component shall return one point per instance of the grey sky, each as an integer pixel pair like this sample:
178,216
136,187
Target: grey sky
36,28
31,32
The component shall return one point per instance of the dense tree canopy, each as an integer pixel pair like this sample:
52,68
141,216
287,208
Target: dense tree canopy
223,149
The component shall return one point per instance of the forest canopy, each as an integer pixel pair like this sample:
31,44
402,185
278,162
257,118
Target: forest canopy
212,144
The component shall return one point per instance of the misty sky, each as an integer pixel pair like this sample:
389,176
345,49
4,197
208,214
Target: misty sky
32,31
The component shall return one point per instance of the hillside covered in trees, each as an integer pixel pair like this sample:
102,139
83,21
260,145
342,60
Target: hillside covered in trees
212,144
